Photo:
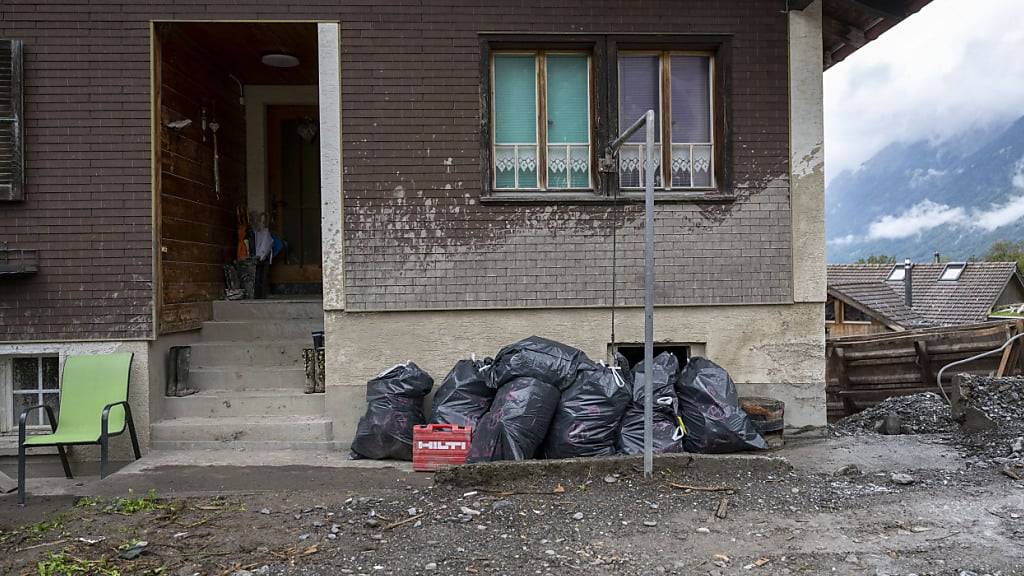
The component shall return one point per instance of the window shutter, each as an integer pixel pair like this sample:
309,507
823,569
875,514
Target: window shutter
12,158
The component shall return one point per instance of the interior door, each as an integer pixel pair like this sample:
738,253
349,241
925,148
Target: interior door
293,172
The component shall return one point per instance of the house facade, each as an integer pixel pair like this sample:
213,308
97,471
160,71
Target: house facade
440,175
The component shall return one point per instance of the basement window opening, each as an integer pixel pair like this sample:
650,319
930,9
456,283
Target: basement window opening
634,352
29,381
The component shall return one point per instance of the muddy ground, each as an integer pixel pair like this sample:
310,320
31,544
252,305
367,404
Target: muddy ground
956,517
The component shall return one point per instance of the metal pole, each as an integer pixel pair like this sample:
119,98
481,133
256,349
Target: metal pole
649,298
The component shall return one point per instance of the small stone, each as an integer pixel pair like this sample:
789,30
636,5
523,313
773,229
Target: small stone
650,523
796,490
852,559
470,494
469,511
902,479
549,552
1018,445
412,511
318,524
371,523
335,528
332,536
610,479
430,566
264,510
703,530
577,516
500,505
848,470
303,537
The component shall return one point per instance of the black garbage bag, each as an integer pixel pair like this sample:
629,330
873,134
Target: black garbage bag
517,422
394,404
464,396
665,424
540,358
714,421
587,420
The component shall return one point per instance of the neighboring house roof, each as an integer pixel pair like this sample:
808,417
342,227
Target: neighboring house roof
848,25
935,302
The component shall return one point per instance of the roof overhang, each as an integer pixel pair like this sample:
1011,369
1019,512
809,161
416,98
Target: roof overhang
881,318
848,25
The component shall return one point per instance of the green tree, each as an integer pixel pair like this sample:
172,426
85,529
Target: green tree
877,259
1006,251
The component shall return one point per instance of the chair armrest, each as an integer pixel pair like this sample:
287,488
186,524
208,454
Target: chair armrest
23,419
105,415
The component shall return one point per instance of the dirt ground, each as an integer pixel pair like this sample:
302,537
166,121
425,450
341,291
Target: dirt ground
957,516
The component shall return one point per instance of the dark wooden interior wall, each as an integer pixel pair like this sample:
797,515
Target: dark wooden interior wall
197,224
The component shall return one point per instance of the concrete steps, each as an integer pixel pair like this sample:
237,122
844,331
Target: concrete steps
226,429
231,377
268,309
230,403
270,329
257,353
248,368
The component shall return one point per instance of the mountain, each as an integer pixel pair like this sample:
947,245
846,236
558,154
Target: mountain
910,200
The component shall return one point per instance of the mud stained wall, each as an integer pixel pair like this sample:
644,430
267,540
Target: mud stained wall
197,222
416,232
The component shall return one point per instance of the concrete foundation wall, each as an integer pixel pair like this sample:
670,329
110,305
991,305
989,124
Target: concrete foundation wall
776,351
138,388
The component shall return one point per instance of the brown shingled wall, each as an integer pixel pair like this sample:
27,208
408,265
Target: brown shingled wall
417,235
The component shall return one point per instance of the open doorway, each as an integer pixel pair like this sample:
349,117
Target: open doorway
237,146
293,174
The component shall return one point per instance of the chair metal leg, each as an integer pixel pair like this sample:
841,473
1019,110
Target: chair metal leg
104,442
131,432
21,467
64,461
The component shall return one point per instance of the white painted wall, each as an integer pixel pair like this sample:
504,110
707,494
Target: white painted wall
331,193
807,160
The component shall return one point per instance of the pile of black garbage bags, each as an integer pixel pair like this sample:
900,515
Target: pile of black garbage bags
539,398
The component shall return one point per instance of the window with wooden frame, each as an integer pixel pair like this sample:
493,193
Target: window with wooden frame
12,172
27,381
541,120
678,86
553,102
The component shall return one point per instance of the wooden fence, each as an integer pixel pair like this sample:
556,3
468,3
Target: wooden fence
861,371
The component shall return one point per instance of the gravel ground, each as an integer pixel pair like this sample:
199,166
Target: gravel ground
940,520
929,501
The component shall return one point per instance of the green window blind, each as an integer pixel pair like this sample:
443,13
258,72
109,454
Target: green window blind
515,121
568,109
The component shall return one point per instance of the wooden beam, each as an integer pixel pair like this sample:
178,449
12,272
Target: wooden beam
925,362
891,9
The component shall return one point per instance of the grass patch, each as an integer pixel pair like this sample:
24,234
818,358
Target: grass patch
64,564
129,506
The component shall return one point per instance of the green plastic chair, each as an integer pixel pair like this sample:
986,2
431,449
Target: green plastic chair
93,407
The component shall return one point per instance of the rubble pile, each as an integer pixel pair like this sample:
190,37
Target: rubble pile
1002,400
923,413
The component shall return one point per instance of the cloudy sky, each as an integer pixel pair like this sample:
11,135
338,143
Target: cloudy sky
954,65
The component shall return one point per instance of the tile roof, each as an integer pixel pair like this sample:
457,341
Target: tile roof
967,300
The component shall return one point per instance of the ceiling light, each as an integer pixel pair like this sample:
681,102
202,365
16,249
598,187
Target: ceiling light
280,60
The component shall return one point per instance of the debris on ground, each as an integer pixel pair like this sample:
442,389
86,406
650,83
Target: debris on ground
922,413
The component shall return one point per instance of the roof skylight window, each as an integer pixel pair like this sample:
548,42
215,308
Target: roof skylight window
952,272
